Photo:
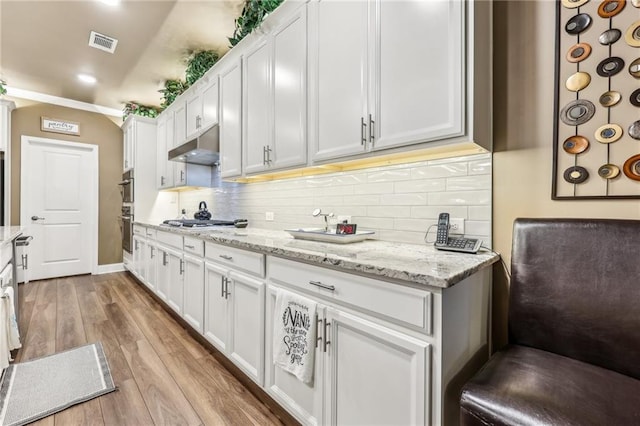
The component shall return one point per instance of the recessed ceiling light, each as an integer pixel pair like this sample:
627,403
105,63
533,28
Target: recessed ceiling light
86,78
110,2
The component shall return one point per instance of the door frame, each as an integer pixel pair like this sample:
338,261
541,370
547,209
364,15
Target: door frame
93,193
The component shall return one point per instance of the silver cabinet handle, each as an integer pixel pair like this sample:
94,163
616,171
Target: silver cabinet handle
322,285
371,127
25,261
318,337
161,180
222,286
363,131
264,155
226,288
164,258
326,341
37,218
136,244
181,266
181,175
152,250
269,150
188,246
226,257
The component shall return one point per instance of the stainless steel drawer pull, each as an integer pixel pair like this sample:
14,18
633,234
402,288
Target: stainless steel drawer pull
226,257
318,337
363,131
181,266
326,340
188,246
322,285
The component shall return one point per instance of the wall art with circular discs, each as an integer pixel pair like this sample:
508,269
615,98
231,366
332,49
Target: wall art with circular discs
597,105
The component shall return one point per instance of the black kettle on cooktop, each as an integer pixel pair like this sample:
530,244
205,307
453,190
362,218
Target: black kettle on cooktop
202,213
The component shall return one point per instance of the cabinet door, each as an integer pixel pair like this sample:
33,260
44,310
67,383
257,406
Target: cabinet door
161,152
194,292
246,299
169,180
338,72
419,66
179,173
175,293
152,252
162,270
210,99
128,145
374,375
231,120
180,117
302,400
139,256
290,91
216,322
194,115
257,107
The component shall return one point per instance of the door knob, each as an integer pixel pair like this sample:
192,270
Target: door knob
37,218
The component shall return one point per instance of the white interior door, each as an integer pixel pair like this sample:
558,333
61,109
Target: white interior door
59,205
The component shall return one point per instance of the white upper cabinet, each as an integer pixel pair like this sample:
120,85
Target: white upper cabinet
417,87
275,98
180,123
338,75
257,107
202,107
231,119
384,74
164,167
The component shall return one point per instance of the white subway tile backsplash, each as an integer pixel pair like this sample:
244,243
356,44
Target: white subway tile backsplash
374,188
456,198
421,185
439,171
399,202
479,213
467,183
389,211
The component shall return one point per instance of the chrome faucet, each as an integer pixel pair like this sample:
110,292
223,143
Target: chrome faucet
318,212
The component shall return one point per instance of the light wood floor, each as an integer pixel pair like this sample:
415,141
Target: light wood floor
164,376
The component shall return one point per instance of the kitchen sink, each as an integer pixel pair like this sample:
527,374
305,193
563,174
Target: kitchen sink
321,235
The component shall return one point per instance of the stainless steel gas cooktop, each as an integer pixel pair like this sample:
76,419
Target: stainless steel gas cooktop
196,223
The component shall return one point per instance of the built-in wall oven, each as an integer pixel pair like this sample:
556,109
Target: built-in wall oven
127,227
126,186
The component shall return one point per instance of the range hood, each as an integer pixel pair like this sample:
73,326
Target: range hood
204,150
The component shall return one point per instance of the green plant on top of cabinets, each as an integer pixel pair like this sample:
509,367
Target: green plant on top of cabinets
138,109
198,64
172,89
253,13
3,89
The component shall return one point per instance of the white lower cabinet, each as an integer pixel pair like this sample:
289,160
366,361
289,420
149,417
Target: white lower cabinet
234,306
194,291
151,267
364,373
139,257
373,375
175,270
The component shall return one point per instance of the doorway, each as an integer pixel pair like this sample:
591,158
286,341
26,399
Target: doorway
59,206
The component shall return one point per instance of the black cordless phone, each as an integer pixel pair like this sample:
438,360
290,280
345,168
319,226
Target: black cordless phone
442,236
443,242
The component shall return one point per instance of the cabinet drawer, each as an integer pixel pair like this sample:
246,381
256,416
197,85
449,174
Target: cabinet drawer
194,246
150,233
244,260
170,239
406,305
139,230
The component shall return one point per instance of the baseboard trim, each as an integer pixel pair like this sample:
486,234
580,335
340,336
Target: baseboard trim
107,269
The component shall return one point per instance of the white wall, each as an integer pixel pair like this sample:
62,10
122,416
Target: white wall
398,202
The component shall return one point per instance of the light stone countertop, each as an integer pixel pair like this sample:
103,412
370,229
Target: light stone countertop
414,263
9,233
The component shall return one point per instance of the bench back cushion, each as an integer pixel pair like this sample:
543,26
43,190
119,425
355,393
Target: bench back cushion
575,290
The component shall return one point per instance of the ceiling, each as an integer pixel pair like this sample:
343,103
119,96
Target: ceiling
44,45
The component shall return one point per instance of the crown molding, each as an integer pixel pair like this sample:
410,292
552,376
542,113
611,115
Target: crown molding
56,100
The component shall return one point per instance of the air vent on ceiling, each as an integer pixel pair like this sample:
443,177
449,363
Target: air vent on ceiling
102,42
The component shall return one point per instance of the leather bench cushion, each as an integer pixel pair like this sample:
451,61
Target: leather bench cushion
527,386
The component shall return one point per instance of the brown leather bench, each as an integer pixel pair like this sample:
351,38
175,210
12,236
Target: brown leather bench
573,356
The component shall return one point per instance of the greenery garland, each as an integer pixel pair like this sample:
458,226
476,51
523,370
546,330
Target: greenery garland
198,64
172,89
3,90
138,109
253,12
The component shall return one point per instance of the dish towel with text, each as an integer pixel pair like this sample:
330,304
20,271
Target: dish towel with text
13,336
294,334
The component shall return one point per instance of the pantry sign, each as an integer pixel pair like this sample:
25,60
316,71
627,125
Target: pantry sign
60,126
